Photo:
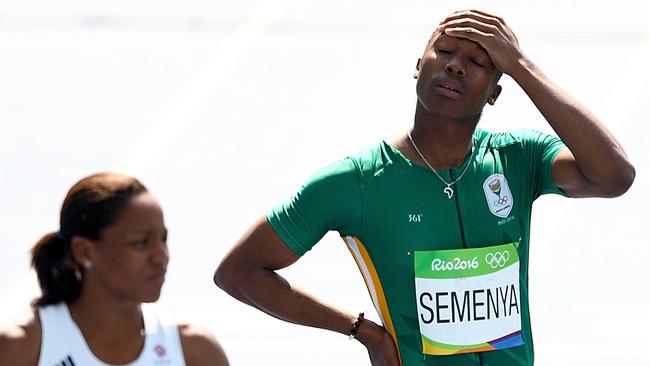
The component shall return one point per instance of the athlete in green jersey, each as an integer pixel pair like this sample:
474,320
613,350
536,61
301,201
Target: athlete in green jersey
386,207
438,220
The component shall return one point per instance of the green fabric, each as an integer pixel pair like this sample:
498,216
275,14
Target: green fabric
395,207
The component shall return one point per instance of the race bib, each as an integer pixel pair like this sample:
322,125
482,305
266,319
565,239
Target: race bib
468,300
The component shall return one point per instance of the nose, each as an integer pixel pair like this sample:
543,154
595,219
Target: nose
161,253
455,68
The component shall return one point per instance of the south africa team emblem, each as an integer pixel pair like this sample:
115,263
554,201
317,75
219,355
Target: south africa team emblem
498,195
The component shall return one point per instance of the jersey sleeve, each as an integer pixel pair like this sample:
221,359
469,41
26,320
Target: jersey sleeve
329,200
541,148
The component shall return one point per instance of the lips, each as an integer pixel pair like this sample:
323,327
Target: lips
448,88
158,278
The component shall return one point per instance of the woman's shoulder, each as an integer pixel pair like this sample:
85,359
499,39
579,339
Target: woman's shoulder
200,347
20,340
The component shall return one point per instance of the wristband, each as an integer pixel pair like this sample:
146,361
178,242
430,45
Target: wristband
355,326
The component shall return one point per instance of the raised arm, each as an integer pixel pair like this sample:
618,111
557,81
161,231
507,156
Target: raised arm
248,273
594,163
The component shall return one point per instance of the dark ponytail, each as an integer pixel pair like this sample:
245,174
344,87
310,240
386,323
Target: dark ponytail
55,268
91,205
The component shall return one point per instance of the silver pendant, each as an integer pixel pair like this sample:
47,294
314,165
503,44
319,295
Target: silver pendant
448,191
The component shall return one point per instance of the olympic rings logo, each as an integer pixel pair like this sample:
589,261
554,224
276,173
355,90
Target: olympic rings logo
501,201
497,259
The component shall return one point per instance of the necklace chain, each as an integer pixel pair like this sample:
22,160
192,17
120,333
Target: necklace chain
447,190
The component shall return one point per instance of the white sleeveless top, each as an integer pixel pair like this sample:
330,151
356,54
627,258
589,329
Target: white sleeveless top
63,343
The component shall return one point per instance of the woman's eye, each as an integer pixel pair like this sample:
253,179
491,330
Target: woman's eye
140,243
444,52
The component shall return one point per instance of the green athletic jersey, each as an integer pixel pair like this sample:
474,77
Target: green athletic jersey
385,207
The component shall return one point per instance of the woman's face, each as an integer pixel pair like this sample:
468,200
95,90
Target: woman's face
130,258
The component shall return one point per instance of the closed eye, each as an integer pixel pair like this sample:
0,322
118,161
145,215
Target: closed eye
477,63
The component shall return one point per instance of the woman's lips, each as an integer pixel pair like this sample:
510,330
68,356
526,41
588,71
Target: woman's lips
157,279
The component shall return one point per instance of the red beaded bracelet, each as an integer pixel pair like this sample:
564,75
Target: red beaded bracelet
355,327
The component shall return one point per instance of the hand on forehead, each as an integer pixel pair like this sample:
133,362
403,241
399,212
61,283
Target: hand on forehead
440,39
487,30
477,19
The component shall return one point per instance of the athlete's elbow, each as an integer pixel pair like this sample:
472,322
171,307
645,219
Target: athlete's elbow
618,184
225,277
217,278
238,279
629,178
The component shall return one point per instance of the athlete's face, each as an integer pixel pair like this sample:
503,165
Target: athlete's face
131,257
456,77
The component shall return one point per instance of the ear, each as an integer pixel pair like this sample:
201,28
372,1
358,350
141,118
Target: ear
417,69
83,249
495,94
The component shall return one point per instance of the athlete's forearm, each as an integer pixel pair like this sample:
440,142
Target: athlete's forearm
268,291
598,155
248,273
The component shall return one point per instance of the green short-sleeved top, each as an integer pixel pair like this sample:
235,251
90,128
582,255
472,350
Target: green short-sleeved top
385,207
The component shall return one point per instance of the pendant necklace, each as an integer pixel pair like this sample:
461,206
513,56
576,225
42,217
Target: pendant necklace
448,190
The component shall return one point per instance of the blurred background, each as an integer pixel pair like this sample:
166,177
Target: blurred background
224,108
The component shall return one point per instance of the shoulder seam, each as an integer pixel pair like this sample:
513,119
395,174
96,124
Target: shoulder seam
361,202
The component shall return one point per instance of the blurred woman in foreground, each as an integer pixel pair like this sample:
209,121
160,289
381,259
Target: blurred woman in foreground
98,275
